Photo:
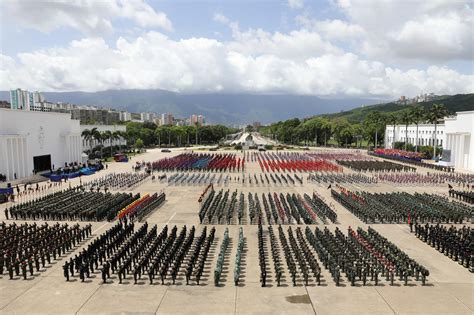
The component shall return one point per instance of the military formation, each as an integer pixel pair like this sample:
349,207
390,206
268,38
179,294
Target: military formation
363,256
463,195
117,181
225,207
402,207
339,178
456,243
375,166
27,249
126,251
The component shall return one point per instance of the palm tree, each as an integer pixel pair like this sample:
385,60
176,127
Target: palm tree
417,113
393,119
435,114
107,135
375,118
86,135
406,119
197,132
117,136
95,135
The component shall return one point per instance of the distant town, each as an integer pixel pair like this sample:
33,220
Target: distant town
35,101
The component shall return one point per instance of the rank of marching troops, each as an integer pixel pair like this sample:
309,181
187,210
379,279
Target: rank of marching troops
363,256
116,181
466,196
25,248
401,207
456,243
375,166
72,204
226,207
125,251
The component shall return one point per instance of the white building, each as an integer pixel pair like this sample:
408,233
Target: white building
167,119
150,117
456,136
31,140
458,150
22,99
426,135
87,145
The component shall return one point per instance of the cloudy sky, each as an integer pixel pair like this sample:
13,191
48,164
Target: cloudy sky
332,48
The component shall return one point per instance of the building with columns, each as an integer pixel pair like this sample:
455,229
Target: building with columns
426,135
32,140
455,135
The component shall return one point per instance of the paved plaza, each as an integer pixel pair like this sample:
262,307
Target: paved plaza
449,289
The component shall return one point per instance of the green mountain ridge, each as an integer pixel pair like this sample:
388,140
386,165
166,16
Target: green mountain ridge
453,103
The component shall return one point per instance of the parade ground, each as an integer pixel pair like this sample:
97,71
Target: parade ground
449,288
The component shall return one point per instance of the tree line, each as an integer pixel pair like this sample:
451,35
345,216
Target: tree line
321,130
148,134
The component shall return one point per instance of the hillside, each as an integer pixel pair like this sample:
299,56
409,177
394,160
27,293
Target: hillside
238,108
454,103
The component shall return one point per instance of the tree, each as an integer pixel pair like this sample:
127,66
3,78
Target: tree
249,128
118,136
435,114
374,120
417,113
197,132
343,132
139,144
406,119
107,135
87,136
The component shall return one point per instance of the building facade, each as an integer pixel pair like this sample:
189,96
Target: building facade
458,150
455,135
24,100
426,135
31,140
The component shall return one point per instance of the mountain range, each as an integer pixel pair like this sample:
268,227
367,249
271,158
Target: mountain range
216,107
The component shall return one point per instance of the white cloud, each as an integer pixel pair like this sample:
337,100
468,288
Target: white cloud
271,63
295,4
88,16
435,30
332,29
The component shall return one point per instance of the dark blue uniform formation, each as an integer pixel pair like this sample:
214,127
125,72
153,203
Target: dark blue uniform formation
32,246
456,243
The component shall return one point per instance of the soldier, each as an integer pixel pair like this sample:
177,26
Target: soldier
104,275
30,265
66,270
82,273
23,270
10,271
71,266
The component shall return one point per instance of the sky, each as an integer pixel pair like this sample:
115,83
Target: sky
332,48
